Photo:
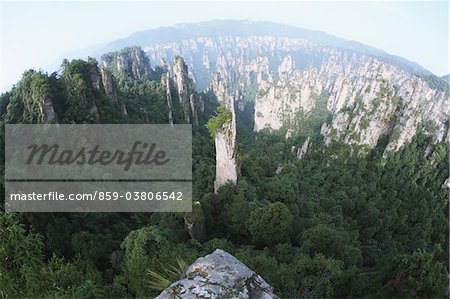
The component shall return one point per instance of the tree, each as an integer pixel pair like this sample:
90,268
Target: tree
216,123
271,224
149,250
309,277
331,243
21,263
416,275
137,246
76,279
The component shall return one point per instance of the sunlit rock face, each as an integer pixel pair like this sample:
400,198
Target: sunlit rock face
368,99
371,98
282,96
219,275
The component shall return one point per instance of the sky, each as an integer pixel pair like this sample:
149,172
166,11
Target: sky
38,34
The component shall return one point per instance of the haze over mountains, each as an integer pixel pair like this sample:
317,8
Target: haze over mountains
218,28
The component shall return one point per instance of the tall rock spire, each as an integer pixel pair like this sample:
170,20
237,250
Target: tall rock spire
225,136
184,86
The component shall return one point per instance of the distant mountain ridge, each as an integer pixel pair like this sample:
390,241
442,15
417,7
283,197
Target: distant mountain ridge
217,28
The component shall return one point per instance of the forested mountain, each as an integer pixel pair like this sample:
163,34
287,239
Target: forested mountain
318,162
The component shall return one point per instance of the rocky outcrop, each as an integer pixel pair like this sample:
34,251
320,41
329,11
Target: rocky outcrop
225,137
219,275
285,72
46,109
301,152
371,98
130,61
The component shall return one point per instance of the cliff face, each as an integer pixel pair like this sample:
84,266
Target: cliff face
165,80
219,275
47,110
368,99
283,96
367,96
371,98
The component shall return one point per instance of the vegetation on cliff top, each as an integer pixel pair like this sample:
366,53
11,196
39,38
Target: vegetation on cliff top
217,122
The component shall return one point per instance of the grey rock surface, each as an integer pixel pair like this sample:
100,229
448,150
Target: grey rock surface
219,275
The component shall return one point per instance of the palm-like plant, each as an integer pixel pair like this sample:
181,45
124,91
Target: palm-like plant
161,279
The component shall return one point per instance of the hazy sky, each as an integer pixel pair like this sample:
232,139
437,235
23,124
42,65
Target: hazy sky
38,34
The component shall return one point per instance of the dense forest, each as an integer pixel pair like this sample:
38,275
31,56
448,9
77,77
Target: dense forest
333,224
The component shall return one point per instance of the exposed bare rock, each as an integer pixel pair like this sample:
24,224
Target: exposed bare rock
225,138
109,84
371,98
95,78
446,184
219,275
136,64
302,151
46,109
